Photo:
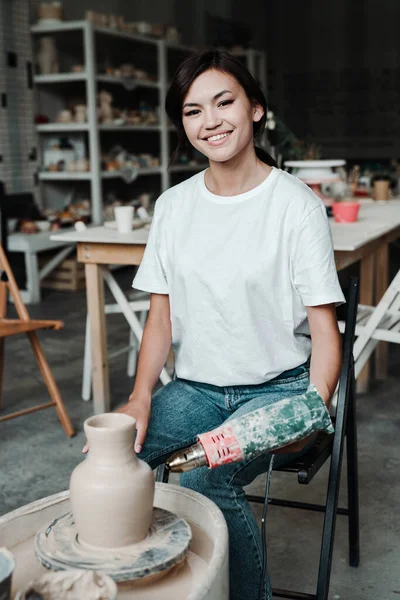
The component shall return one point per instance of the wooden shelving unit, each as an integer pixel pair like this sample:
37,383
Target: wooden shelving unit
91,79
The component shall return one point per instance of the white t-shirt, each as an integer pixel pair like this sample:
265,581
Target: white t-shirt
239,271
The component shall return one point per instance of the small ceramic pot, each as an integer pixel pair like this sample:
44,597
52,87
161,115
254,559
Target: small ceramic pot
81,165
91,16
50,11
80,113
64,116
345,212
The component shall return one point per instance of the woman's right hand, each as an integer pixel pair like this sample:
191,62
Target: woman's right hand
138,407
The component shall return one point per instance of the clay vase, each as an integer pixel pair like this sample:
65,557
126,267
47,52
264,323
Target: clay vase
47,57
112,491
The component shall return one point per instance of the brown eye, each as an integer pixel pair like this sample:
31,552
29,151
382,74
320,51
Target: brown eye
225,102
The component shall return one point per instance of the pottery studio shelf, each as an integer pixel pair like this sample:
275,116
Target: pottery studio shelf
71,127
61,127
54,88
128,81
108,31
60,78
86,176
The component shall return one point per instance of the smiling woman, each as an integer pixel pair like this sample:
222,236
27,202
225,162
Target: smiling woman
238,257
234,87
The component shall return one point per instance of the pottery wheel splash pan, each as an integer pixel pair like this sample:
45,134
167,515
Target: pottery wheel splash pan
166,545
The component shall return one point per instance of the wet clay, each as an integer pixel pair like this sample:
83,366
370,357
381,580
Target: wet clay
167,544
112,491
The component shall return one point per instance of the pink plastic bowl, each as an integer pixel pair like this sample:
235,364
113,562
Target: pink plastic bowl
345,212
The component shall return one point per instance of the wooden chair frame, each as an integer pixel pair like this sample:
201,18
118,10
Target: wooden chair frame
25,324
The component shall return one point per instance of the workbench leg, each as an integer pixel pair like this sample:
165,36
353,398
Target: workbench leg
381,285
32,278
95,304
366,297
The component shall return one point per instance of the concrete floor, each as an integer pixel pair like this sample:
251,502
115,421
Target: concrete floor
37,458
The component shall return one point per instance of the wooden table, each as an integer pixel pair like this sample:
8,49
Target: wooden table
366,241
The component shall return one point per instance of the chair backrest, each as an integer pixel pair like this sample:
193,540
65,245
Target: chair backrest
307,465
346,379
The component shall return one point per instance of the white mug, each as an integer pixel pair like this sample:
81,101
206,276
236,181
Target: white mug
124,218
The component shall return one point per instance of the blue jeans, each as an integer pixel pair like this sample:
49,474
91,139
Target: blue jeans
181,410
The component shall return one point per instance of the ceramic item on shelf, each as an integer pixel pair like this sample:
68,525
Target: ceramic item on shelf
105,111
78,69
80,113
157,30
64,116
113,21
172,35
140,74
127,70
47,57
112,490
90,16
345,212
49,13
81,165
69,585
143,28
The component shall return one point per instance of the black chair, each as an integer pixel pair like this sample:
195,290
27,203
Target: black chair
310,463
325,446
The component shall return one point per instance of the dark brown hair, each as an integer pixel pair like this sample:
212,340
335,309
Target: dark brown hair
190,69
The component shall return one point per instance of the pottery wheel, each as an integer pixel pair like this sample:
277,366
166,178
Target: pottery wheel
167,544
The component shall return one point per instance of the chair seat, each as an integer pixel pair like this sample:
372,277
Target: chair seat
307,465
10,327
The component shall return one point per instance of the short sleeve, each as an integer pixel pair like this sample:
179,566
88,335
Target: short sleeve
314,272
151,275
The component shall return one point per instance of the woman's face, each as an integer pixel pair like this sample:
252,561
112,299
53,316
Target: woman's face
218,117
